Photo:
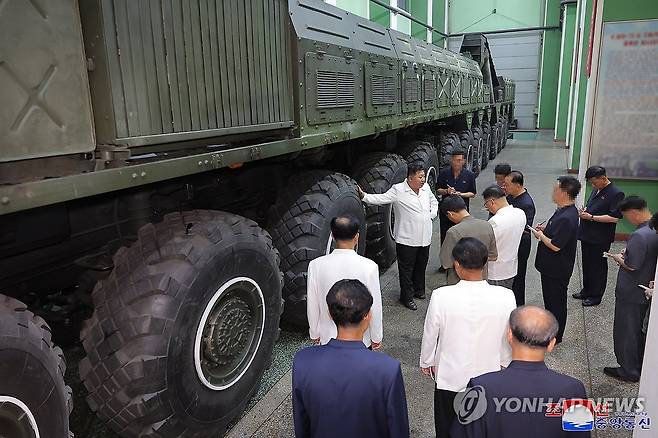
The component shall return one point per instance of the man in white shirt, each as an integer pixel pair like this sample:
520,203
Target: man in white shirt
342,264
508,224
415,207
465,332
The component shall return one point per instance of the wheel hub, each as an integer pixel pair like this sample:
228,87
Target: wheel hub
16,419
229,333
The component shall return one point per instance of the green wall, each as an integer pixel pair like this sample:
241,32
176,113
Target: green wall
565,80
621,10
379,14
358,7
479,15
438,21
581,83
550,66
418,8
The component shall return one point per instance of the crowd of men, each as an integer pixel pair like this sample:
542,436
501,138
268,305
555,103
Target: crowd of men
478,332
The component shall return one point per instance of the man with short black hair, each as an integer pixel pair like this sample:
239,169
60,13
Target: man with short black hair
454,208
518,197
531,334
500,172
637,266
465,327
415,207
556,252
341,389
508,224
343,262
596,233
455,180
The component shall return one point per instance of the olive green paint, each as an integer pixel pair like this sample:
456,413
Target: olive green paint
616,10
550,66
565,80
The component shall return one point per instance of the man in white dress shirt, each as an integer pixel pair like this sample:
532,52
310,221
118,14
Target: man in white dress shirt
342,264
465,332
508,224
415,207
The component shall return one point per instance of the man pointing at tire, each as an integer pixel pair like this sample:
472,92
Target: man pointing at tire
414,207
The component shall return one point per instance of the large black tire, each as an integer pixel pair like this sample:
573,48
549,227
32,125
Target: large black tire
449,142
478,149
197,296
466,140
31,376
300,224
495,134
501,134
486,144
505,127
423,153
376,173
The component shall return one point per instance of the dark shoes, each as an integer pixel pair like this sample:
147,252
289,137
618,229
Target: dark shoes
579,296
411,305
419,295
616,373
587,302
441,270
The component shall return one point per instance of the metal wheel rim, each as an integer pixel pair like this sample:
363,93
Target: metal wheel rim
232,324
469,158
17,419
391,223
431,177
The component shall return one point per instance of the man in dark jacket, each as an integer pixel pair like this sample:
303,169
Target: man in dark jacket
342,389
527,379
556,251
596,232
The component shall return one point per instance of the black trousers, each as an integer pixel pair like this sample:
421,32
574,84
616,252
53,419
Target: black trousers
444,224
628,337
412,262
518,286
444,412
595,269
554,290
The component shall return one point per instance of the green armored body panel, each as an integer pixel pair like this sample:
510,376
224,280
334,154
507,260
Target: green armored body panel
168,169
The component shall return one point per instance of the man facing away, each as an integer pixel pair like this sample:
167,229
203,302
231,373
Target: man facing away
508,224
342,263
531,335
455,180
637,266
596,233
415,207
342,389
454,208
465,329
518,197
556,251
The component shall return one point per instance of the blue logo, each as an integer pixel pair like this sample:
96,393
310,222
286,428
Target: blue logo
577,415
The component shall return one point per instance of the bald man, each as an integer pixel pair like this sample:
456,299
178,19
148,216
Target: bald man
531,335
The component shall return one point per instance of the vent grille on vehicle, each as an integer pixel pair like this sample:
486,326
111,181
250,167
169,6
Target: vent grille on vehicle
429,89
383,89
335,89
411,90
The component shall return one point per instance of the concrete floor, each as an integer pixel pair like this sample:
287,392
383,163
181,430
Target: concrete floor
586,349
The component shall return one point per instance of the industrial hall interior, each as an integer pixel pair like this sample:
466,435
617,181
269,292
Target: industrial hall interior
328,218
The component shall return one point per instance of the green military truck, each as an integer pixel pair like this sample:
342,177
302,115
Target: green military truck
173,166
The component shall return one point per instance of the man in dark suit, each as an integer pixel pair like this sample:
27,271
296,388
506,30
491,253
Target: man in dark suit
531,335
342,389
596,232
